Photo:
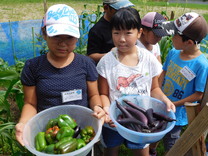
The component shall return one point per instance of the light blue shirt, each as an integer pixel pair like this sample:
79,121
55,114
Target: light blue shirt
182,79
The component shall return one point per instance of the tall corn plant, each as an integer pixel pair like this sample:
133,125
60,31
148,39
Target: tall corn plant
87,20
165,46
10,87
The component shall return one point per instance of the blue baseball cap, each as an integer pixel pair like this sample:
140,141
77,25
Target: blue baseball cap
118,4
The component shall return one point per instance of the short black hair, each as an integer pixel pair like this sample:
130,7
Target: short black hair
126,18
186,38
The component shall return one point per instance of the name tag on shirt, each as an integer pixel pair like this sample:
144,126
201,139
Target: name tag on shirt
71,95
188,73
141,80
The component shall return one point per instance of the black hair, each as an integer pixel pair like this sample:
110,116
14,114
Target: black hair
126,18
186,38
111,8
148,28
44,30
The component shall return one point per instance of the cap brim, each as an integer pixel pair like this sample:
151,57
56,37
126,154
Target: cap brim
62,29
160,32
121,4
169,27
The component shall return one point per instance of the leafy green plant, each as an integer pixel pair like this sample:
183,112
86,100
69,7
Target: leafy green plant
165,45
87,20
9,145
10,89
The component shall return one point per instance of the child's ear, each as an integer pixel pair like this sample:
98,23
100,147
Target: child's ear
190,42
140,32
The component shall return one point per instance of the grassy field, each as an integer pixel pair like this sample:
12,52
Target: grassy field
18,10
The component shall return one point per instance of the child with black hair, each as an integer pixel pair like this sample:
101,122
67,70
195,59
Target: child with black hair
127,69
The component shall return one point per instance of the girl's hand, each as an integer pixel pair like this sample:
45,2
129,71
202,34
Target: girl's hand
19,132
99,113
107,117
170,106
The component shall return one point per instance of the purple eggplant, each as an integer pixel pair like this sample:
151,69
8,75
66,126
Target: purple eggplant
160,127
149,114
132,121
160,116
125,113
134,105
137,114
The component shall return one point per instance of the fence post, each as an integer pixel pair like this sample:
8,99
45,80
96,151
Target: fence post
45,5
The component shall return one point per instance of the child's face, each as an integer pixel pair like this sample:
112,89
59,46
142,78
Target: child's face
61,45
150,37
177,42
125,40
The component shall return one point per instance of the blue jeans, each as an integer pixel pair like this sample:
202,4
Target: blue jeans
170,138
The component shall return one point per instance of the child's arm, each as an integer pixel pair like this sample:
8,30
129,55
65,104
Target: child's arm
161,78
94,99
157,93
197,96
104,94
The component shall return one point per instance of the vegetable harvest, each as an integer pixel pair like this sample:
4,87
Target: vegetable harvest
63,135
139,119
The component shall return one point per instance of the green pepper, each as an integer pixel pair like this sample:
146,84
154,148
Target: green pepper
87,134
51,123
50,134
80,143
65,120
68,146
40,141
64,132
50,149
63,140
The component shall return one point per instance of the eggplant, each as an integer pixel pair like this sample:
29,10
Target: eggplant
149,114
134,105
160,116
132,121
137,114
77,130
160,127
126,114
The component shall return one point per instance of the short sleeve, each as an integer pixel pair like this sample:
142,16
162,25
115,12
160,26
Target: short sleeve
28,74
92,74
168,58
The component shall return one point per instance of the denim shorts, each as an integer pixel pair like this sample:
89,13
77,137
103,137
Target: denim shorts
111,138
171,137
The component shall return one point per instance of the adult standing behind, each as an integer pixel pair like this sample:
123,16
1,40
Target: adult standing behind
152,33
60,77
99,37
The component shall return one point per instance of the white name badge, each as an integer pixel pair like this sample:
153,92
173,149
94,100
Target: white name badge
71,95
188,73
141,80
